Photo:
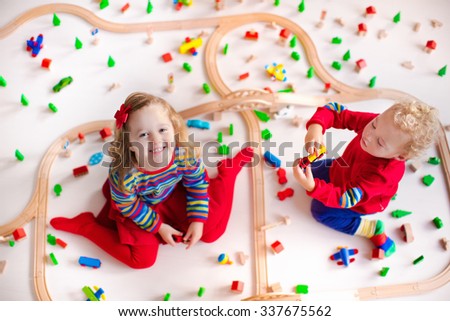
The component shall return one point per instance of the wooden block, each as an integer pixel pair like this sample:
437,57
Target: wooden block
2,266
276,287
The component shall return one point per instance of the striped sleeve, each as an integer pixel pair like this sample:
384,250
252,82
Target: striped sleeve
196,184
131,206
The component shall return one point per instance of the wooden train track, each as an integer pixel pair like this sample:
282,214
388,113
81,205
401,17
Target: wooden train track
243,101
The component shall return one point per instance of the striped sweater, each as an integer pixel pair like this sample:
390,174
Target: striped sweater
144,189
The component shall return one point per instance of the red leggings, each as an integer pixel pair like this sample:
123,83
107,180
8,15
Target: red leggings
125,241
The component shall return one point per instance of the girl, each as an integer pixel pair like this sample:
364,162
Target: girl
158,190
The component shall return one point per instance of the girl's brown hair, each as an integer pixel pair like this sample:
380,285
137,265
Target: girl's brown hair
123,159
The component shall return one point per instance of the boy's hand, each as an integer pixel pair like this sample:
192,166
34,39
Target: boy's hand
166,231
306,179
314,139
193,234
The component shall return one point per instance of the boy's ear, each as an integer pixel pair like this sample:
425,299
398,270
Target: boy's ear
401,158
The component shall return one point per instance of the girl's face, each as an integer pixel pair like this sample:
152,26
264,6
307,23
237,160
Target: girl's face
152,137
382,138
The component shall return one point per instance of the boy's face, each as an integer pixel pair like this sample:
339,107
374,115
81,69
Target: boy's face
382,138
152,137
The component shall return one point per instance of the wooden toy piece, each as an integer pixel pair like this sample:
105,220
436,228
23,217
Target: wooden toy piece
284,36
272,25
297,121
90,262
167,57
217,116
384,271
430,46
326,87
340,21
251,58
81,138
277,247
276,287
244,76
281,173
2,266
219,5
79,171
271,159
417,26
166,297
201,292
415,165
408,236
288,192
53,258
382,34
242,258
418,260
285,220
178,238
301,289
360,64
61,243
251,35
400,213
445,243
362,29
46,63
320,24
19,234
125,7
436,23
323,14
237,286
223,258
149,40
438,222
343,256
408,65
377,254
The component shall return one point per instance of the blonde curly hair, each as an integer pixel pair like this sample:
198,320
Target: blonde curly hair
420,121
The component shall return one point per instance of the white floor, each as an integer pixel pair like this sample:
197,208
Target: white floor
139,67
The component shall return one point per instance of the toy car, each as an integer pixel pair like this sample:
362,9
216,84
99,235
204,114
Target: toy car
62,83
197,123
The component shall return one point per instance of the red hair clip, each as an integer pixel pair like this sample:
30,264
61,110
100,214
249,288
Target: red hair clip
121,115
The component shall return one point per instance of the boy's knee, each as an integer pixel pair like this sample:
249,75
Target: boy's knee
142,262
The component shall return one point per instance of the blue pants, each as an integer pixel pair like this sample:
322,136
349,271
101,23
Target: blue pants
340,219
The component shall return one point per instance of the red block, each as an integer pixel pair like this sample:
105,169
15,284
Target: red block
82,170
46,63
281,172
277,247
237,286
167,57
61,243
125,7
251,35
362,27
371,10
284,33
105,133
243,76
19,234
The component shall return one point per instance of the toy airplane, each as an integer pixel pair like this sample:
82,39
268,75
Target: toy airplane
98,295
35,46
343,256
276,72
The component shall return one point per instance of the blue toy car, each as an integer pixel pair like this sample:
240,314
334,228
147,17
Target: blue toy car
197,123
88,261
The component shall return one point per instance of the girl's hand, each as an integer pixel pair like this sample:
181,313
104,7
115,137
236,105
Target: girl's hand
193,234
166,231
306,179
314,139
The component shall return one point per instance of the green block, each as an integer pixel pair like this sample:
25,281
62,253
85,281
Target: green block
336,40
287,90
400,213
438,222
434,160
276,3
442,71
231,130
384,271
397,18
78,43
89,293
394,197
428,180
56,20
347,56
336,65
310,73
223,150
206,88
219,137
51,239
301,6
111,62
53,258
225,49
57,189
372,81
3,82
293,42
266,134
187,67
11,243
52,107
301,289
201,291
167,297
262,115
19,155
295,55
24,100
104,4
149,7
418,260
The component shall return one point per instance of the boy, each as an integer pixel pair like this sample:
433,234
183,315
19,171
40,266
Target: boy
365,178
